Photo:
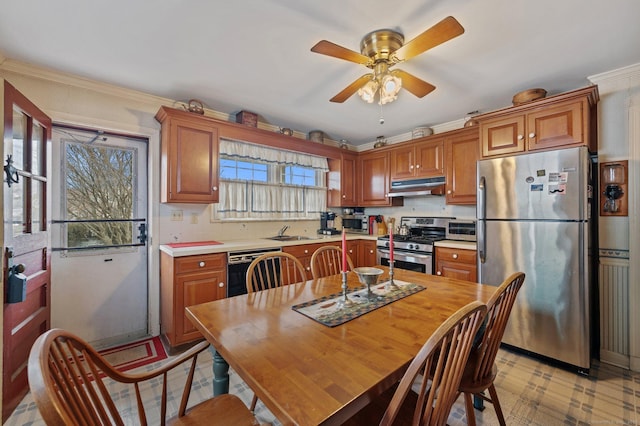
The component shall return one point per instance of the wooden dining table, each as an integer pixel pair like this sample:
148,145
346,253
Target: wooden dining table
307,373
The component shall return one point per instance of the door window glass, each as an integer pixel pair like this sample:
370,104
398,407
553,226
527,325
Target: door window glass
99,187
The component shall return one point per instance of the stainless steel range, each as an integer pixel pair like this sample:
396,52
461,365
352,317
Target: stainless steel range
414,251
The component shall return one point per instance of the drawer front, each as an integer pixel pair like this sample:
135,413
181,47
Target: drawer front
208,262
457,255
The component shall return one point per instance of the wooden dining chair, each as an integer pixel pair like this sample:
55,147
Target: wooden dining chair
274,269
327,260
481,370
67,379
271,270
444,354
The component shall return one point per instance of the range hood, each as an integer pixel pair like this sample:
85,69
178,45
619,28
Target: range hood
417,187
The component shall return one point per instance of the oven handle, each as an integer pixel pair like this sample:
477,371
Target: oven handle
402,256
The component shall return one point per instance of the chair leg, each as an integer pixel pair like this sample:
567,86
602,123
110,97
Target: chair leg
496,404
468,406
254,401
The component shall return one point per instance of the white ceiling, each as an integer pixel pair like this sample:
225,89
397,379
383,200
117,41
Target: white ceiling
255,54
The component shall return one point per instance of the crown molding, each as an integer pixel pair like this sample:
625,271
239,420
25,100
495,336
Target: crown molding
616,80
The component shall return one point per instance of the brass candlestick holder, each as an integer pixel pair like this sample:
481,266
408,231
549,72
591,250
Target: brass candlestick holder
391,285
345,302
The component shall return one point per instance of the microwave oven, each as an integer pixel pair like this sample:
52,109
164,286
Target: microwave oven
355,223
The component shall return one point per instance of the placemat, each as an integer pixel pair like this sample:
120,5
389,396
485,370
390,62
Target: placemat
327,310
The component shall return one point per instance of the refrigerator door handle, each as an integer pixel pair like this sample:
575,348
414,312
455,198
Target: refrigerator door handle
482,246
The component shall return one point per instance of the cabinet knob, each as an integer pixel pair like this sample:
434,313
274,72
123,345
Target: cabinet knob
201,264
351,251
411,167
215,188
532,135
306,251
220,285
370,251
417,166
455,255
344,196
308,268
520,137
448,191
438,273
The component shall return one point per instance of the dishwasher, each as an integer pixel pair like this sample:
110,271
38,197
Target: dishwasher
237,264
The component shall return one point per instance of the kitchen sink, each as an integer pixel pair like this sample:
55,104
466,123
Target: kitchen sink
288,238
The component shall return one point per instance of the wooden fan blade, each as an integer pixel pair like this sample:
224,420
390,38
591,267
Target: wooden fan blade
351,89
325,47
413,84
443,31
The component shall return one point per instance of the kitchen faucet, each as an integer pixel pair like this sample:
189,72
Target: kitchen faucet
283,230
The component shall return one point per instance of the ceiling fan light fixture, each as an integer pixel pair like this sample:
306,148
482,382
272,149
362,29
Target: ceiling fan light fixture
368,91
389,89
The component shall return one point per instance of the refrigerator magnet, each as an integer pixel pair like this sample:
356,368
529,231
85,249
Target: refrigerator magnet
538,187
557,189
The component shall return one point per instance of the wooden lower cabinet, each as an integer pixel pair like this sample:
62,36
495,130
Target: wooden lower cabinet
187,281
367,254
362,252
456,263
304,252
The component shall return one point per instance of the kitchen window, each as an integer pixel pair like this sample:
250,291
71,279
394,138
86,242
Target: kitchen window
269,184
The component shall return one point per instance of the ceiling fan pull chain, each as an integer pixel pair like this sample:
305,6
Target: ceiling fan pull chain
381,117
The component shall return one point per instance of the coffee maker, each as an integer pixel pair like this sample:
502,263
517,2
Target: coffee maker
327,224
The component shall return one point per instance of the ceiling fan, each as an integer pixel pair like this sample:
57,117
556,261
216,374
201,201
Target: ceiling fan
381,50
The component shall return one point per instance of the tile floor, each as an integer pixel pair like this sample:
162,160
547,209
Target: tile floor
531,393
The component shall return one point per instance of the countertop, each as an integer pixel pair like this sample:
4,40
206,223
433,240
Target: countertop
223,246
463,245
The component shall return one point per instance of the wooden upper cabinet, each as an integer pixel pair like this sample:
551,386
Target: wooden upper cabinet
556,126
341,181
559,121
461,154
189,158
423,159
373,172
504,135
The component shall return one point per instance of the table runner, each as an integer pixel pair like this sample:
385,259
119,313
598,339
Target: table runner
326,310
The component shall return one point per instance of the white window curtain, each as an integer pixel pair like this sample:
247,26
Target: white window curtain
243,199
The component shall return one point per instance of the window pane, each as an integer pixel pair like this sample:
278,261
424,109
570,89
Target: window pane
37,204
297,175
18,217
19,134
99,184
36,149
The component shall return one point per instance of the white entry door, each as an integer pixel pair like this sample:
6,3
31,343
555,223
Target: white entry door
99,250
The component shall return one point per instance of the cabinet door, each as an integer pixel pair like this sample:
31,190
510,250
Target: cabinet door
367,253
429,159
193,289
373,169
191,166
341,182
402,162
353,250
504,135
556,126
456,263
462,153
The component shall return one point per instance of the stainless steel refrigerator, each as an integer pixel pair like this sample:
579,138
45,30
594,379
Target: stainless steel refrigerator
533,216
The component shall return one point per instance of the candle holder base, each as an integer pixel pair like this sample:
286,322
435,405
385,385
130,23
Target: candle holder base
345,302
391,286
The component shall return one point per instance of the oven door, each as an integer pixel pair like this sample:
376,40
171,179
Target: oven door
418,262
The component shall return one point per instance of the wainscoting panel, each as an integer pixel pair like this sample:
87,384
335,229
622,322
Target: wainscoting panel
614,307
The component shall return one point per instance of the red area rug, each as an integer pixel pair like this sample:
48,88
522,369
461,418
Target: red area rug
136,354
